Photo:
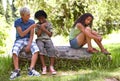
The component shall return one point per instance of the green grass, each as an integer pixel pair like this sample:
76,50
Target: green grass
98,68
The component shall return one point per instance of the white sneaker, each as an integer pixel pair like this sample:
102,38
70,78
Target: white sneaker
33,72
15,74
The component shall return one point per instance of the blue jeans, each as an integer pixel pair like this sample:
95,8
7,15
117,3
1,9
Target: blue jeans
74,44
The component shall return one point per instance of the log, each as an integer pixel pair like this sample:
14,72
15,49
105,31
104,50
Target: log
70,53
62,52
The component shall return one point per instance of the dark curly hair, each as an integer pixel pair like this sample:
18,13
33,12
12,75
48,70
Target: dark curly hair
82,18
40,13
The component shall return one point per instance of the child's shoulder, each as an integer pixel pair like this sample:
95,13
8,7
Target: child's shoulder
49,23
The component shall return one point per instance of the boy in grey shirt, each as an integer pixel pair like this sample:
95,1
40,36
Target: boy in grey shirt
44,33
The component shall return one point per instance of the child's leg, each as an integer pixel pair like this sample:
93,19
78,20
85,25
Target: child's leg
90,48
52,70
89,36
81,39
18,45
42,54
51,53
52,59
42,60
16,61
34,49
33,60
99,44
41,46
44,68
103,50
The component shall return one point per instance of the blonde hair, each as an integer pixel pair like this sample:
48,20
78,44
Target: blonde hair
24,10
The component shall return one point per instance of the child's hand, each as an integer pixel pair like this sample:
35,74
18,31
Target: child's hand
27,48
34,25
38,25
43,27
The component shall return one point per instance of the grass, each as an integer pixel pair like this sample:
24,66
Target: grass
98,68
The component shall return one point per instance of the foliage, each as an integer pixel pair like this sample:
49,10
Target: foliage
1,8
8,13
63,13
5,24
3,34
106,15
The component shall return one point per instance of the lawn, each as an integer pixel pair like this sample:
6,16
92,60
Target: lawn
98,68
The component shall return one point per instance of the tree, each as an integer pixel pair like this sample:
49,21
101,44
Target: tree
8,14
1,8
105,12
63,13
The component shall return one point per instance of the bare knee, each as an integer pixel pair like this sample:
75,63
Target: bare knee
14,55
88,29
35,54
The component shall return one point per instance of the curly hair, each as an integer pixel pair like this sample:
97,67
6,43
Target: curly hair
40,13
82,18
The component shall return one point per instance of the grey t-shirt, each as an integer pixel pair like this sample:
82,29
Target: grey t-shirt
43,35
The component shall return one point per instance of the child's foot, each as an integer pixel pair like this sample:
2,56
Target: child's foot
15,74
105,52
52,70
93,50
44,70
33,72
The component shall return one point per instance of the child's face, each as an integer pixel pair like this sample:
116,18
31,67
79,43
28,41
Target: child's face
26,17
41,19
88,20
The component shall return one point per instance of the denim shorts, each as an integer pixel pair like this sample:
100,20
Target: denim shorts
74,44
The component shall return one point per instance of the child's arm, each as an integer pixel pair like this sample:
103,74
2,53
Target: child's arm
96,34
43,29
27,49
23,33
87,33
39,32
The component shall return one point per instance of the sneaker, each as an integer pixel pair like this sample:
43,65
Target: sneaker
15,74
44,70
52,70
33,72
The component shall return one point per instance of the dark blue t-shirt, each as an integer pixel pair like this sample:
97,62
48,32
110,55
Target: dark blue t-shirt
24,26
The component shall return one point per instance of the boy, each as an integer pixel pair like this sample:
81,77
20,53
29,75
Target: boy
24,36
44,33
